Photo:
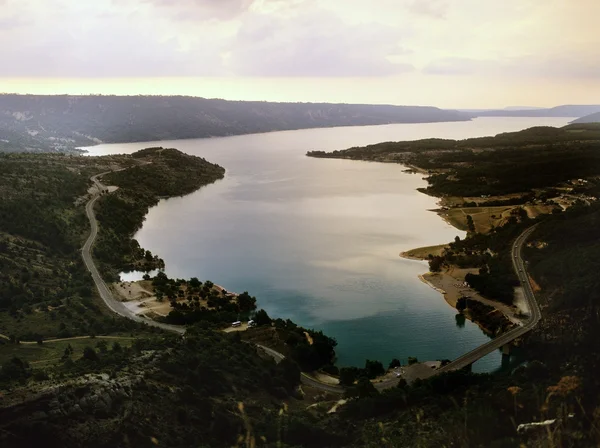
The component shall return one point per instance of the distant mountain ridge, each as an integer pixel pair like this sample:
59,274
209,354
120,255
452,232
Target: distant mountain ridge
64,122
558,111
592,118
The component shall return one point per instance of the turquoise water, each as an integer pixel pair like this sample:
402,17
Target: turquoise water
317,240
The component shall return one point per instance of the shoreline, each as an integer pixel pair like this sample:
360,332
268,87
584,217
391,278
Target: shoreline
423,253
450,283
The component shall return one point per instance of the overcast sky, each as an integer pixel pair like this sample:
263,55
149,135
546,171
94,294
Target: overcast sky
448,53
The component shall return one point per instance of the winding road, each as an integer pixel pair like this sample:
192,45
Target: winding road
534,313
505,338
117,307
105,293
459,363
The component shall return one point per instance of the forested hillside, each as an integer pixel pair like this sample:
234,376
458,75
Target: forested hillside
159,173
212,389
59,123
507,163
45,290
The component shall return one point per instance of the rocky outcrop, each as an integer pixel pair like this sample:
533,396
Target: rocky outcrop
96,395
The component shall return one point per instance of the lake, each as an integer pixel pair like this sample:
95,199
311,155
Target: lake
318,240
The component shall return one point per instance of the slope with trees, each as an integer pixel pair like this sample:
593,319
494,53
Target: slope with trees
62,122
158,173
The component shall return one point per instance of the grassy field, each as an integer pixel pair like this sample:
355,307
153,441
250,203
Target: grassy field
422,253
50,352
484,218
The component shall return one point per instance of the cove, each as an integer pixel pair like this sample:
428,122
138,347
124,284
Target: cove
317,240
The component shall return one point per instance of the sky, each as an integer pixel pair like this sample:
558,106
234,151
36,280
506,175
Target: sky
445,53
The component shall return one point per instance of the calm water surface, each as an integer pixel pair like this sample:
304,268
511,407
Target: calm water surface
317,240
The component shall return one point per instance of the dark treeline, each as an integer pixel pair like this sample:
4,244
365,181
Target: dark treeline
63,122
491,254
193,301
208,389
507,163
159,173
45,290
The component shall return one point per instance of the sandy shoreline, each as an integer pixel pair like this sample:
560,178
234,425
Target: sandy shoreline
451,284
138,296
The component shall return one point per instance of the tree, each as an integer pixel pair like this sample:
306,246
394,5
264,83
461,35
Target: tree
395,363
90,354
412,360
262,318
116,347
436,263
246,302
373,369
289,372
195,283
461,304
470,223
348,376
457,239
14,369
363,389
102,346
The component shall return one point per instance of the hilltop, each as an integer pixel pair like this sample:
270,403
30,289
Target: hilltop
62,123
592,118
566,110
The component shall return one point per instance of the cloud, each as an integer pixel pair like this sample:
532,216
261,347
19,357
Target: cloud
299,38
573,65
201,10
315,44
431,8
454,66
8,23
106,46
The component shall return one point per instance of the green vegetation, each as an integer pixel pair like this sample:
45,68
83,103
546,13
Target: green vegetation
192,301
311,349
350,375
62,122
208,388
50,352
159,173
560,380
507,163
45,290
204,390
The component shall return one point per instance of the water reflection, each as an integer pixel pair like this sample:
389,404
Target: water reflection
317,240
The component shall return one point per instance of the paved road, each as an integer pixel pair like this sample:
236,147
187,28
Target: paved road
505,338
459,363
306,379
509,336
105,293
118,308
